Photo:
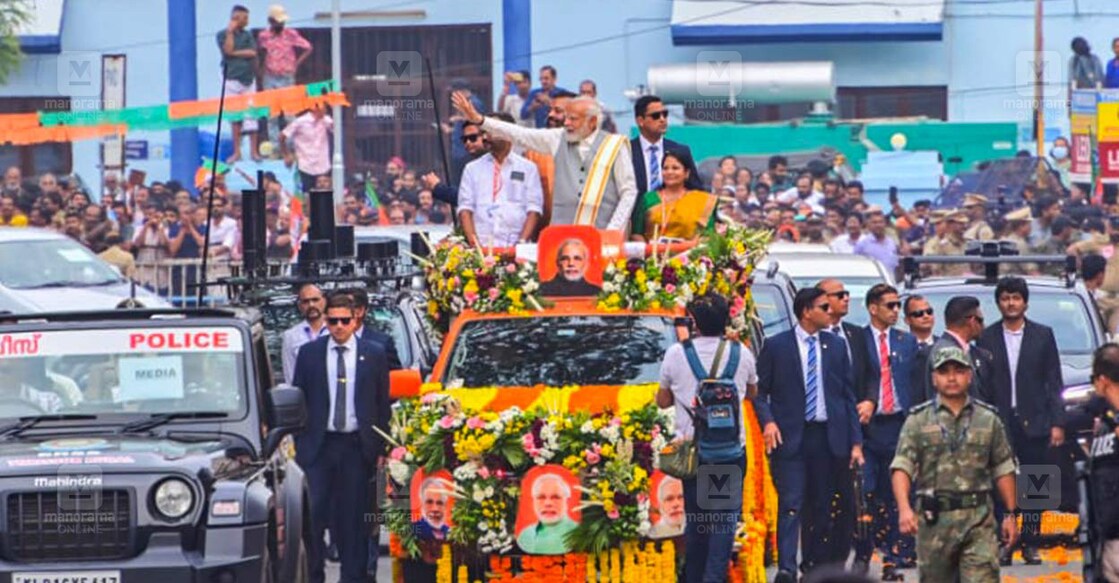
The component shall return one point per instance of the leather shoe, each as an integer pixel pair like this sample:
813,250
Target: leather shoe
1006,556
860,567
890,573
1030,556
784,577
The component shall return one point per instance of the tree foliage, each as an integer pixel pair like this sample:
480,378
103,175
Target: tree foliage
13,14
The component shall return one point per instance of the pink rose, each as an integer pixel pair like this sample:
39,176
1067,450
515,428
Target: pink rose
616,422
528,441
470,297
489,261
475,423
500,474
494,293
614,514
398,453
592,457
655,431
429,398
447,422
484,472
641,498
670,288
511,268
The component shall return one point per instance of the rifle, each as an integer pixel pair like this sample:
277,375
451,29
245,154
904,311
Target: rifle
863,518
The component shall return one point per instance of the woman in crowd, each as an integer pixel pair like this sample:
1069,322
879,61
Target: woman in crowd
673,211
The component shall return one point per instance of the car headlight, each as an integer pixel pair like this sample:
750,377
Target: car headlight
173,498
1077,393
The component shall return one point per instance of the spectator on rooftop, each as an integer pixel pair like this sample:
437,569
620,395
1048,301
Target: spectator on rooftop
1085,70
306,141
283,50
239,57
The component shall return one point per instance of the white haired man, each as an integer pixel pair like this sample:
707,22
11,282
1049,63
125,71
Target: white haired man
594,183
571,272
670,504
432,524
550,495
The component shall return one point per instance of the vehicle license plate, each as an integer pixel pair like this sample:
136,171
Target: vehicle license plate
68,577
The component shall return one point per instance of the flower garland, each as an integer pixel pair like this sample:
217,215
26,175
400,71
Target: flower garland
460,277
592,398
756,509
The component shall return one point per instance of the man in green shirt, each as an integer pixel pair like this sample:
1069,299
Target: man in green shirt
950,450
550,495
239,59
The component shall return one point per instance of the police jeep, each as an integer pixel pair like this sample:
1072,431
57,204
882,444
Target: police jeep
144,445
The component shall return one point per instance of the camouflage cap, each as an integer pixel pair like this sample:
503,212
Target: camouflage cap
948,354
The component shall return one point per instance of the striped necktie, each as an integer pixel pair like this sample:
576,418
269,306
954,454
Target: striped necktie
811,382
654,169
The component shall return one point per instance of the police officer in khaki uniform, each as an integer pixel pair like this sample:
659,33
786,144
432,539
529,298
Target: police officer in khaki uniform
975,206
932,244
1018,230
951,242
950,451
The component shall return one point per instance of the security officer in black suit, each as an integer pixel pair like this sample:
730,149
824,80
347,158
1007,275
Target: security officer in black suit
649,147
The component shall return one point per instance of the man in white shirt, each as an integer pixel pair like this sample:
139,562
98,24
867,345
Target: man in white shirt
514,91
803,195
309,136
223,230
846,242
500,200
594,181
313,326
708,547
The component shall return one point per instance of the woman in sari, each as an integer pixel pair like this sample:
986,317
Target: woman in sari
672,211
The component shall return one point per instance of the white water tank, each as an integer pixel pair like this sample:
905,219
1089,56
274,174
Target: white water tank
762,83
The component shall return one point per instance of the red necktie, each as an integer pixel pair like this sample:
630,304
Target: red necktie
887,379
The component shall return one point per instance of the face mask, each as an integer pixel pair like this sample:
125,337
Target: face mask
1059,152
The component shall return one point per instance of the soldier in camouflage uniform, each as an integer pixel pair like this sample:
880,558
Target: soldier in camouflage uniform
950,451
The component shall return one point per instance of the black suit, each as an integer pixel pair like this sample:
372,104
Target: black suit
1039,407
641,173
866,389
339,465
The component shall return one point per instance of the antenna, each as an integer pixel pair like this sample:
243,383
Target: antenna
438,122
202,285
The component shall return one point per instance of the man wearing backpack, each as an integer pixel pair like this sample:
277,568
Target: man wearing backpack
806,406
706,379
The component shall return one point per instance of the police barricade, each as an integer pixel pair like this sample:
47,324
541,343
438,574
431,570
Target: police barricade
176,280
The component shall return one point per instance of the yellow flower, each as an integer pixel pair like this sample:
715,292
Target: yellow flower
514,295
470,287
607,450
640,277
656,305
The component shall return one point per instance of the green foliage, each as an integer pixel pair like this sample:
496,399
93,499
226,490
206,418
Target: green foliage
13,14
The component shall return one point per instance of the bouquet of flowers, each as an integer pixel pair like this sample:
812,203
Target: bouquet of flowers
460,277
733,251
652,283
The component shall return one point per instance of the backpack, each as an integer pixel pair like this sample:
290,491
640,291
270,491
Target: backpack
718,410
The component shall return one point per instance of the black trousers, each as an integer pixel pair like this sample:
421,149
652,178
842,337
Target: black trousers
1029,451
339,484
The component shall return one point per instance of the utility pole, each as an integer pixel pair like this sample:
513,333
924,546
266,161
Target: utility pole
1039,93
337,179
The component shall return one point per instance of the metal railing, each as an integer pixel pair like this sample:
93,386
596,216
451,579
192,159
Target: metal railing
176,280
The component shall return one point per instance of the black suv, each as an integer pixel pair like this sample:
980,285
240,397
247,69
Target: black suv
145,445
1062,303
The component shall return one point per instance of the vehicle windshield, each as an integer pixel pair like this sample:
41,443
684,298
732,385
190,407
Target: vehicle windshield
386,319
560,351
1064,311
57,263
115,371
858,286
771,309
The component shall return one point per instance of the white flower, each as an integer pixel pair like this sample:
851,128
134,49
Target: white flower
653,286
610,432
467,471
643,528
400,471
483,526
586,427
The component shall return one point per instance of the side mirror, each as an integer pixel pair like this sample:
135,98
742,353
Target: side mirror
404,384
287,414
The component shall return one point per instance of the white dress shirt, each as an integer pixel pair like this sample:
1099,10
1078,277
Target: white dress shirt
645,145
838,330
802,345
845,244
292,340
498,221
350,358
550,140
1013,351
815,200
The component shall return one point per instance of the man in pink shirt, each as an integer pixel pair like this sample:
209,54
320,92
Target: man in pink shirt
279,45
309,137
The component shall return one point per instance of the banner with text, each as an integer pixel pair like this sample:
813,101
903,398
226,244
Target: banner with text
1107,124
1082,118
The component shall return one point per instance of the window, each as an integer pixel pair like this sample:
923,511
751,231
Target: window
902,101
54,157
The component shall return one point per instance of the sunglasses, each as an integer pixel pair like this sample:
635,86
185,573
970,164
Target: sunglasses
339,321
824,307
306,301
892,305
470,138
657,115
978,319
842,295
921,313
